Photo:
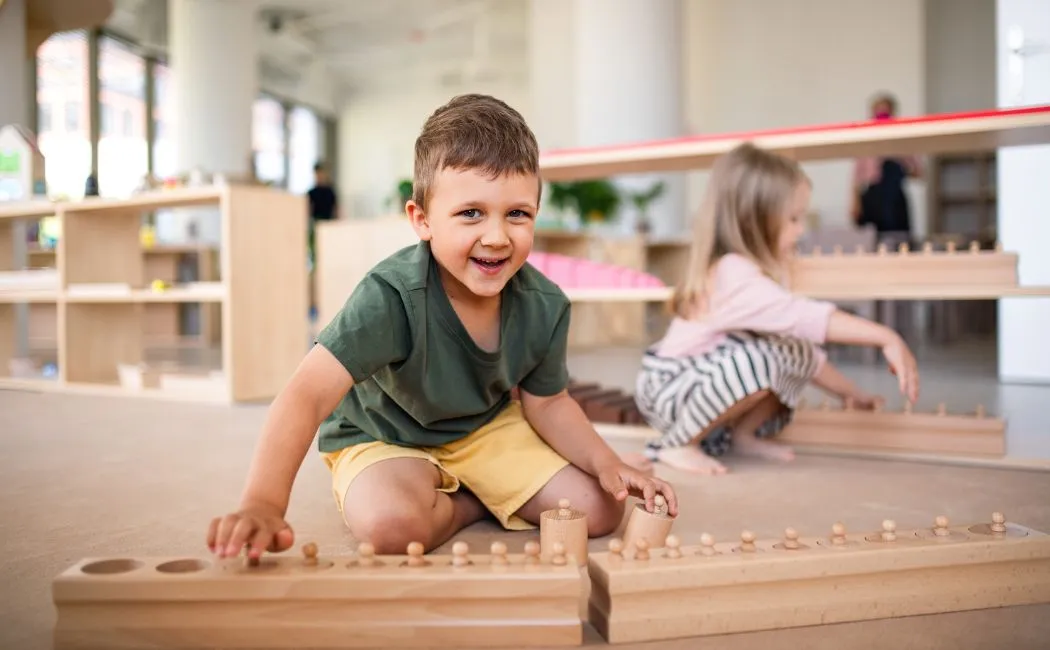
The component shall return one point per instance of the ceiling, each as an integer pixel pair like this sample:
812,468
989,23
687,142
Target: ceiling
365,43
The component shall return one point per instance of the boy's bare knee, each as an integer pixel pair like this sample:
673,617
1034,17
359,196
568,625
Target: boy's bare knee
392,532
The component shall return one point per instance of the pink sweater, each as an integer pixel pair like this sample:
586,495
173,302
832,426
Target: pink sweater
741,297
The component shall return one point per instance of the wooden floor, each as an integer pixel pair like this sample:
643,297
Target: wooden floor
85,476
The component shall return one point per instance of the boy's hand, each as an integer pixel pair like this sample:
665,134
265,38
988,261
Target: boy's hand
620,479
902,364
261,527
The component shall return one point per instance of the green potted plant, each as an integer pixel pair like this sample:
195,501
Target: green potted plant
642,201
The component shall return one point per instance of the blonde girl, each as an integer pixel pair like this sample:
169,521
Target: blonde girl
741,347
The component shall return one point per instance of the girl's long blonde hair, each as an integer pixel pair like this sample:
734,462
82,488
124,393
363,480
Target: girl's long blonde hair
742,212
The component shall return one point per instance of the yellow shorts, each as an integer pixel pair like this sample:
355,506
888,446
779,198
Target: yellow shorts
504,463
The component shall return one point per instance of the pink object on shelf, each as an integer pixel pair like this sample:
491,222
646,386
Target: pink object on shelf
577,273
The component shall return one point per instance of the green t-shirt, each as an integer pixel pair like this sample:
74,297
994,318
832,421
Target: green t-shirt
419,378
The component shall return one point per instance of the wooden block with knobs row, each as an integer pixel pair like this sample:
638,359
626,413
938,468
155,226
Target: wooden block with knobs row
722,587
363,600
970,434
885,273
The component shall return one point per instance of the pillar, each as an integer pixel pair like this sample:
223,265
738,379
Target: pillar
14,100
16,104
1023,78
612,70
212,50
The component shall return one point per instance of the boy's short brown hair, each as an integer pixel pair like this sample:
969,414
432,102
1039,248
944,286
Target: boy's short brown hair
473,132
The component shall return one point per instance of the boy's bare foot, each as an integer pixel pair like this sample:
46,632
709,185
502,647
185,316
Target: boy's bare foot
752,446
639,462
690,458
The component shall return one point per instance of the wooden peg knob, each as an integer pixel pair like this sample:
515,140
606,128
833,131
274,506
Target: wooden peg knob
940,526
836,249
616,547
459,554
975,247
838,533
889,530
949,246
641,549
881,249
927,247
310,554
532,552
747,541
707,545
498,550
998,523
673,546
903,247
790,538
558,554
979,411
415,554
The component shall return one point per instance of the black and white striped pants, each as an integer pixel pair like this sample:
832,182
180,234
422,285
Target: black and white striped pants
681,396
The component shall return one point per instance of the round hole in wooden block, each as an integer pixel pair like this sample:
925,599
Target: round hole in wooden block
986,529
110,567
189,565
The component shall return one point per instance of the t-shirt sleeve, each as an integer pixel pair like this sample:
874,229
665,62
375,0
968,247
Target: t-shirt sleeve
370,331
551,374
746,299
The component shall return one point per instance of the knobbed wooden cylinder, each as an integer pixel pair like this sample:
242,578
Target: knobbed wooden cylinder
566,525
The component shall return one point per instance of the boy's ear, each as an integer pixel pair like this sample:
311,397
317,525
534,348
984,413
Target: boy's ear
418,219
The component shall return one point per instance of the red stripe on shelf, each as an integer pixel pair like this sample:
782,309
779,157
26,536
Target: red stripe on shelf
940,117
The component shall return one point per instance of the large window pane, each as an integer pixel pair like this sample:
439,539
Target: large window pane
163,143
122,151
268,140
64,133
304,141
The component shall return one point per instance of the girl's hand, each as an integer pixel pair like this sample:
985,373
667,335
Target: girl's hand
902,364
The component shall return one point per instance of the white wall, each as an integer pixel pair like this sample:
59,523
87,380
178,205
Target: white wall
754,64
1024,347
377,133
960,55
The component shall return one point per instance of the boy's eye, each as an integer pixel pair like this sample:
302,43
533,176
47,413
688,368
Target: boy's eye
471,213
519,214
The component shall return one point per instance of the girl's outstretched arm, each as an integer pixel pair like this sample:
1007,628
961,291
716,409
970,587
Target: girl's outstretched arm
854,330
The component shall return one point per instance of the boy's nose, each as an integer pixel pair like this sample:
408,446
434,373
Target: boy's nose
495,235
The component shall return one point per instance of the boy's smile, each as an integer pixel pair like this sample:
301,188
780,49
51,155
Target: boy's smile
480,228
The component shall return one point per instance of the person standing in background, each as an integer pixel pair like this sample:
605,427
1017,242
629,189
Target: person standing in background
324,206
879,199
878,192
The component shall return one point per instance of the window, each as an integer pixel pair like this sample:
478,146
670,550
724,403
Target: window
305,149
62,87
163,146
268,140
122,150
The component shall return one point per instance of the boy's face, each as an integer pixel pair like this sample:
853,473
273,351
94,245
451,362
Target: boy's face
480,229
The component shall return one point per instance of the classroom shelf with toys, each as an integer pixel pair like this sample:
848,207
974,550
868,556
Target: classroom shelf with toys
103,284
933,272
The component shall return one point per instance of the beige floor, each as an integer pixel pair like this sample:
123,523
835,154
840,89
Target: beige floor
111,477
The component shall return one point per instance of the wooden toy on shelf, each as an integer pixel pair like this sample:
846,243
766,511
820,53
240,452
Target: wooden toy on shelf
317,601
800,580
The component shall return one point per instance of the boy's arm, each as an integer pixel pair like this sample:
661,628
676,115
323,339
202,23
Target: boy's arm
313,392
560,421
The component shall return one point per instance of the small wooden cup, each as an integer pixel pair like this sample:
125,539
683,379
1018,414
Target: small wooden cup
566,525
652,526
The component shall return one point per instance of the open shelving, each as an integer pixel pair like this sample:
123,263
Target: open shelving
102,290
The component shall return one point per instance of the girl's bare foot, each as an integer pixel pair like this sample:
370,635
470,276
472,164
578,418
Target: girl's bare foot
691,458
639,462
752,446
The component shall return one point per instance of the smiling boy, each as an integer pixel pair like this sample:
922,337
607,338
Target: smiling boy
410,384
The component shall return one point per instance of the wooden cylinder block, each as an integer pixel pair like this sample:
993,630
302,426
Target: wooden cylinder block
568,526
651,526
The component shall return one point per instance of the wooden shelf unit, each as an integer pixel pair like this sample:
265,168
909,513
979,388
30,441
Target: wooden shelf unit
103,290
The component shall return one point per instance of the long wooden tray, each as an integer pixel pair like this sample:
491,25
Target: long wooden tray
940,133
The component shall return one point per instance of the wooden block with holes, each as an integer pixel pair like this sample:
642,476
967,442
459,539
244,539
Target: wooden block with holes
940,432
887,273
743,585
364,600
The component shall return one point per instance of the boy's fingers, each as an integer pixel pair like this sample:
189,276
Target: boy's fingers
213,533
283,540
261,539
225,529
242,532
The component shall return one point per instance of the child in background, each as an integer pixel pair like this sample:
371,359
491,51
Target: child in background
410,384
741,348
